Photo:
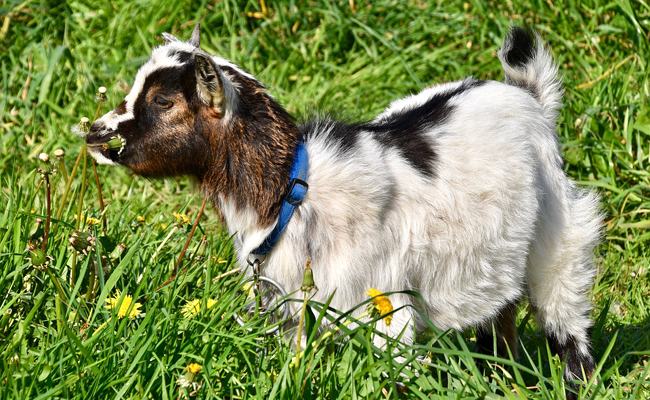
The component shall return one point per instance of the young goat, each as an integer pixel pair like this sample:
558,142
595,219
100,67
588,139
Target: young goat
456,192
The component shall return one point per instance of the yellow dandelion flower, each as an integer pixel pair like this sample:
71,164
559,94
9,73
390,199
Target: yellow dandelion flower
188,379
181,218
124,307
382,304
192,307
92,221
140,219
194,368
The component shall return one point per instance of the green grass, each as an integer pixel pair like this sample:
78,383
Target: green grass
57,340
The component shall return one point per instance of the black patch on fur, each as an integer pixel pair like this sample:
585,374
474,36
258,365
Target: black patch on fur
576,362
344,135
182,56
521,46
172,80
404,130
121,109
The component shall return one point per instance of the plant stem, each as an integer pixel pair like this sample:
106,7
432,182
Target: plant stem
187,242
300,323
64,172
59,314
83,189
69,183
99,106
91,280
155,253
180,258
57,284
48,206
73,269
99,192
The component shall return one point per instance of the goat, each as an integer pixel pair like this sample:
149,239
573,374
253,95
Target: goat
457,192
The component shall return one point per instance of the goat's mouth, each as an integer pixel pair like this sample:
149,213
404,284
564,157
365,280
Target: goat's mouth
107,151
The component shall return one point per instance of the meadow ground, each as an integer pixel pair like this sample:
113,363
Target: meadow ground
58,338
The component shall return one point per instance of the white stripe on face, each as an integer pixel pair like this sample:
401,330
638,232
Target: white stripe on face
100,158
160,58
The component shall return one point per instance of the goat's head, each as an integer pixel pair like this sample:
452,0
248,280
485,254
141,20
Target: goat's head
189,113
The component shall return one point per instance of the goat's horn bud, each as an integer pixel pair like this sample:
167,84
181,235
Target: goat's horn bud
116,143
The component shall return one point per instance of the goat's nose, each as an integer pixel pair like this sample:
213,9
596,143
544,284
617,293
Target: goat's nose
97,129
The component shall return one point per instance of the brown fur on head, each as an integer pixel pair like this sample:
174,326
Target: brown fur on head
189,113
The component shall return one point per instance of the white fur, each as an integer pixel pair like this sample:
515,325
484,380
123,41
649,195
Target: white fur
498,221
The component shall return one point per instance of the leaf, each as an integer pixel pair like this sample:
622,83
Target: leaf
636,225
45,372
51,69
642,121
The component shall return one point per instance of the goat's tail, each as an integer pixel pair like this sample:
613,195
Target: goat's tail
528,64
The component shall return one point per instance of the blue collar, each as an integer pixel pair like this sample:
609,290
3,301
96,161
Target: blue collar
296,193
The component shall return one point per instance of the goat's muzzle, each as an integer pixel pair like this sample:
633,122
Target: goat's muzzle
105,145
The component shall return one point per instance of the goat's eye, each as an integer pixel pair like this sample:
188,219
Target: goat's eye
163,103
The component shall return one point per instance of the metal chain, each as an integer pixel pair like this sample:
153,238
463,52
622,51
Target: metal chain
257,291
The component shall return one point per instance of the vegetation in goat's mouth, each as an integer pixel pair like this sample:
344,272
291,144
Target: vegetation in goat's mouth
116,143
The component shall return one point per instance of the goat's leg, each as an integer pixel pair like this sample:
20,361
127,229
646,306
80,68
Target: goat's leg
505,328
559,276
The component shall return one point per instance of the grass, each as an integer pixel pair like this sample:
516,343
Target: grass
57,339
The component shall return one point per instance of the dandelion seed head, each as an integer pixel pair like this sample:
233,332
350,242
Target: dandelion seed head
78,131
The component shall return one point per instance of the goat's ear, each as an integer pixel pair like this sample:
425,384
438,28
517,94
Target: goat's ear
195,39
169,38
209,84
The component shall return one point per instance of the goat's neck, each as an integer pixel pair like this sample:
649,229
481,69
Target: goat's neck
252,160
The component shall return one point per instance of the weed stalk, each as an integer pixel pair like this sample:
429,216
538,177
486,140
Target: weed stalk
99,193
307,287
48,203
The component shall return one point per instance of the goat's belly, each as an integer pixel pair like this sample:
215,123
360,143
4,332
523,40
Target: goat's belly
468,257
467,297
